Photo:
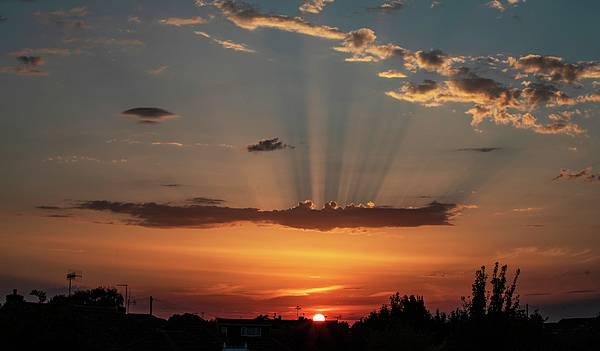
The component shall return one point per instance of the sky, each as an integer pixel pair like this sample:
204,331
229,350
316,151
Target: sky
237,158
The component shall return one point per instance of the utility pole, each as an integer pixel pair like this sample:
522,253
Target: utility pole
297,309
151,305
126,298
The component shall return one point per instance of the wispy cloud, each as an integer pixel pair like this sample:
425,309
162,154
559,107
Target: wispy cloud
392,74
228,44
480,149
248,18
27,66
206,201
496,4
158,70
169,143
302,216
534,251
78,159
131,43
182,21
61,52
388,8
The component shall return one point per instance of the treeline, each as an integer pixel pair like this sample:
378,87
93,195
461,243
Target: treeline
490,319
62,322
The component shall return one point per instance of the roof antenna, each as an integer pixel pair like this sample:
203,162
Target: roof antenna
73,274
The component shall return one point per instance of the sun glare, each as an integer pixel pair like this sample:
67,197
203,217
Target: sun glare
319,318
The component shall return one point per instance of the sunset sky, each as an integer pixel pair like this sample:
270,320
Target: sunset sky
245,158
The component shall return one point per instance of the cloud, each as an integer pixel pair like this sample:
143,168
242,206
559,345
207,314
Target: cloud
246,17
436,4
48,207
425,93
433,61
361,43
61,52
585,175
171,143
158,70
491,101
63,23
231,45
70,39
555,69
302,216
59,17
206,201
2,19
536,94
313,6
148,114
480,149
27,66
387,9
131,43
267,145
590,97
531,252
495,4
392,74
134,19
181,21
30,61
526,209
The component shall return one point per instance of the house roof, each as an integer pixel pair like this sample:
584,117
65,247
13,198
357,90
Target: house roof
242,322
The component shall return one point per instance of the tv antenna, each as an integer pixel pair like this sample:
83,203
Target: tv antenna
297,308
73,274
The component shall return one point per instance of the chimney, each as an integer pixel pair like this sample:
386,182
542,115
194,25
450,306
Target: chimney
14,297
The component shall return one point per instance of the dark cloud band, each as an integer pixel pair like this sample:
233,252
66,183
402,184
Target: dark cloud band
302,216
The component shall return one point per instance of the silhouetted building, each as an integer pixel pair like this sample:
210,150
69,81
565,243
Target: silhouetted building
247,334
14,297
573,327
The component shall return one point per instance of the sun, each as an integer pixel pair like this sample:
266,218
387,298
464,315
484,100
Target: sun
319,318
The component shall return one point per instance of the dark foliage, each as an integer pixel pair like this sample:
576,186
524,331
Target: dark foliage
99,297
60,324
490,319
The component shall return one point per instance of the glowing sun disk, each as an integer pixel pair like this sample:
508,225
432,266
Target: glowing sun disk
319,318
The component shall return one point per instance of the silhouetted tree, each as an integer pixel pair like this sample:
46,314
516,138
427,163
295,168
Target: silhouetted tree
41,295
403,324
499,325
60,324
99,297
